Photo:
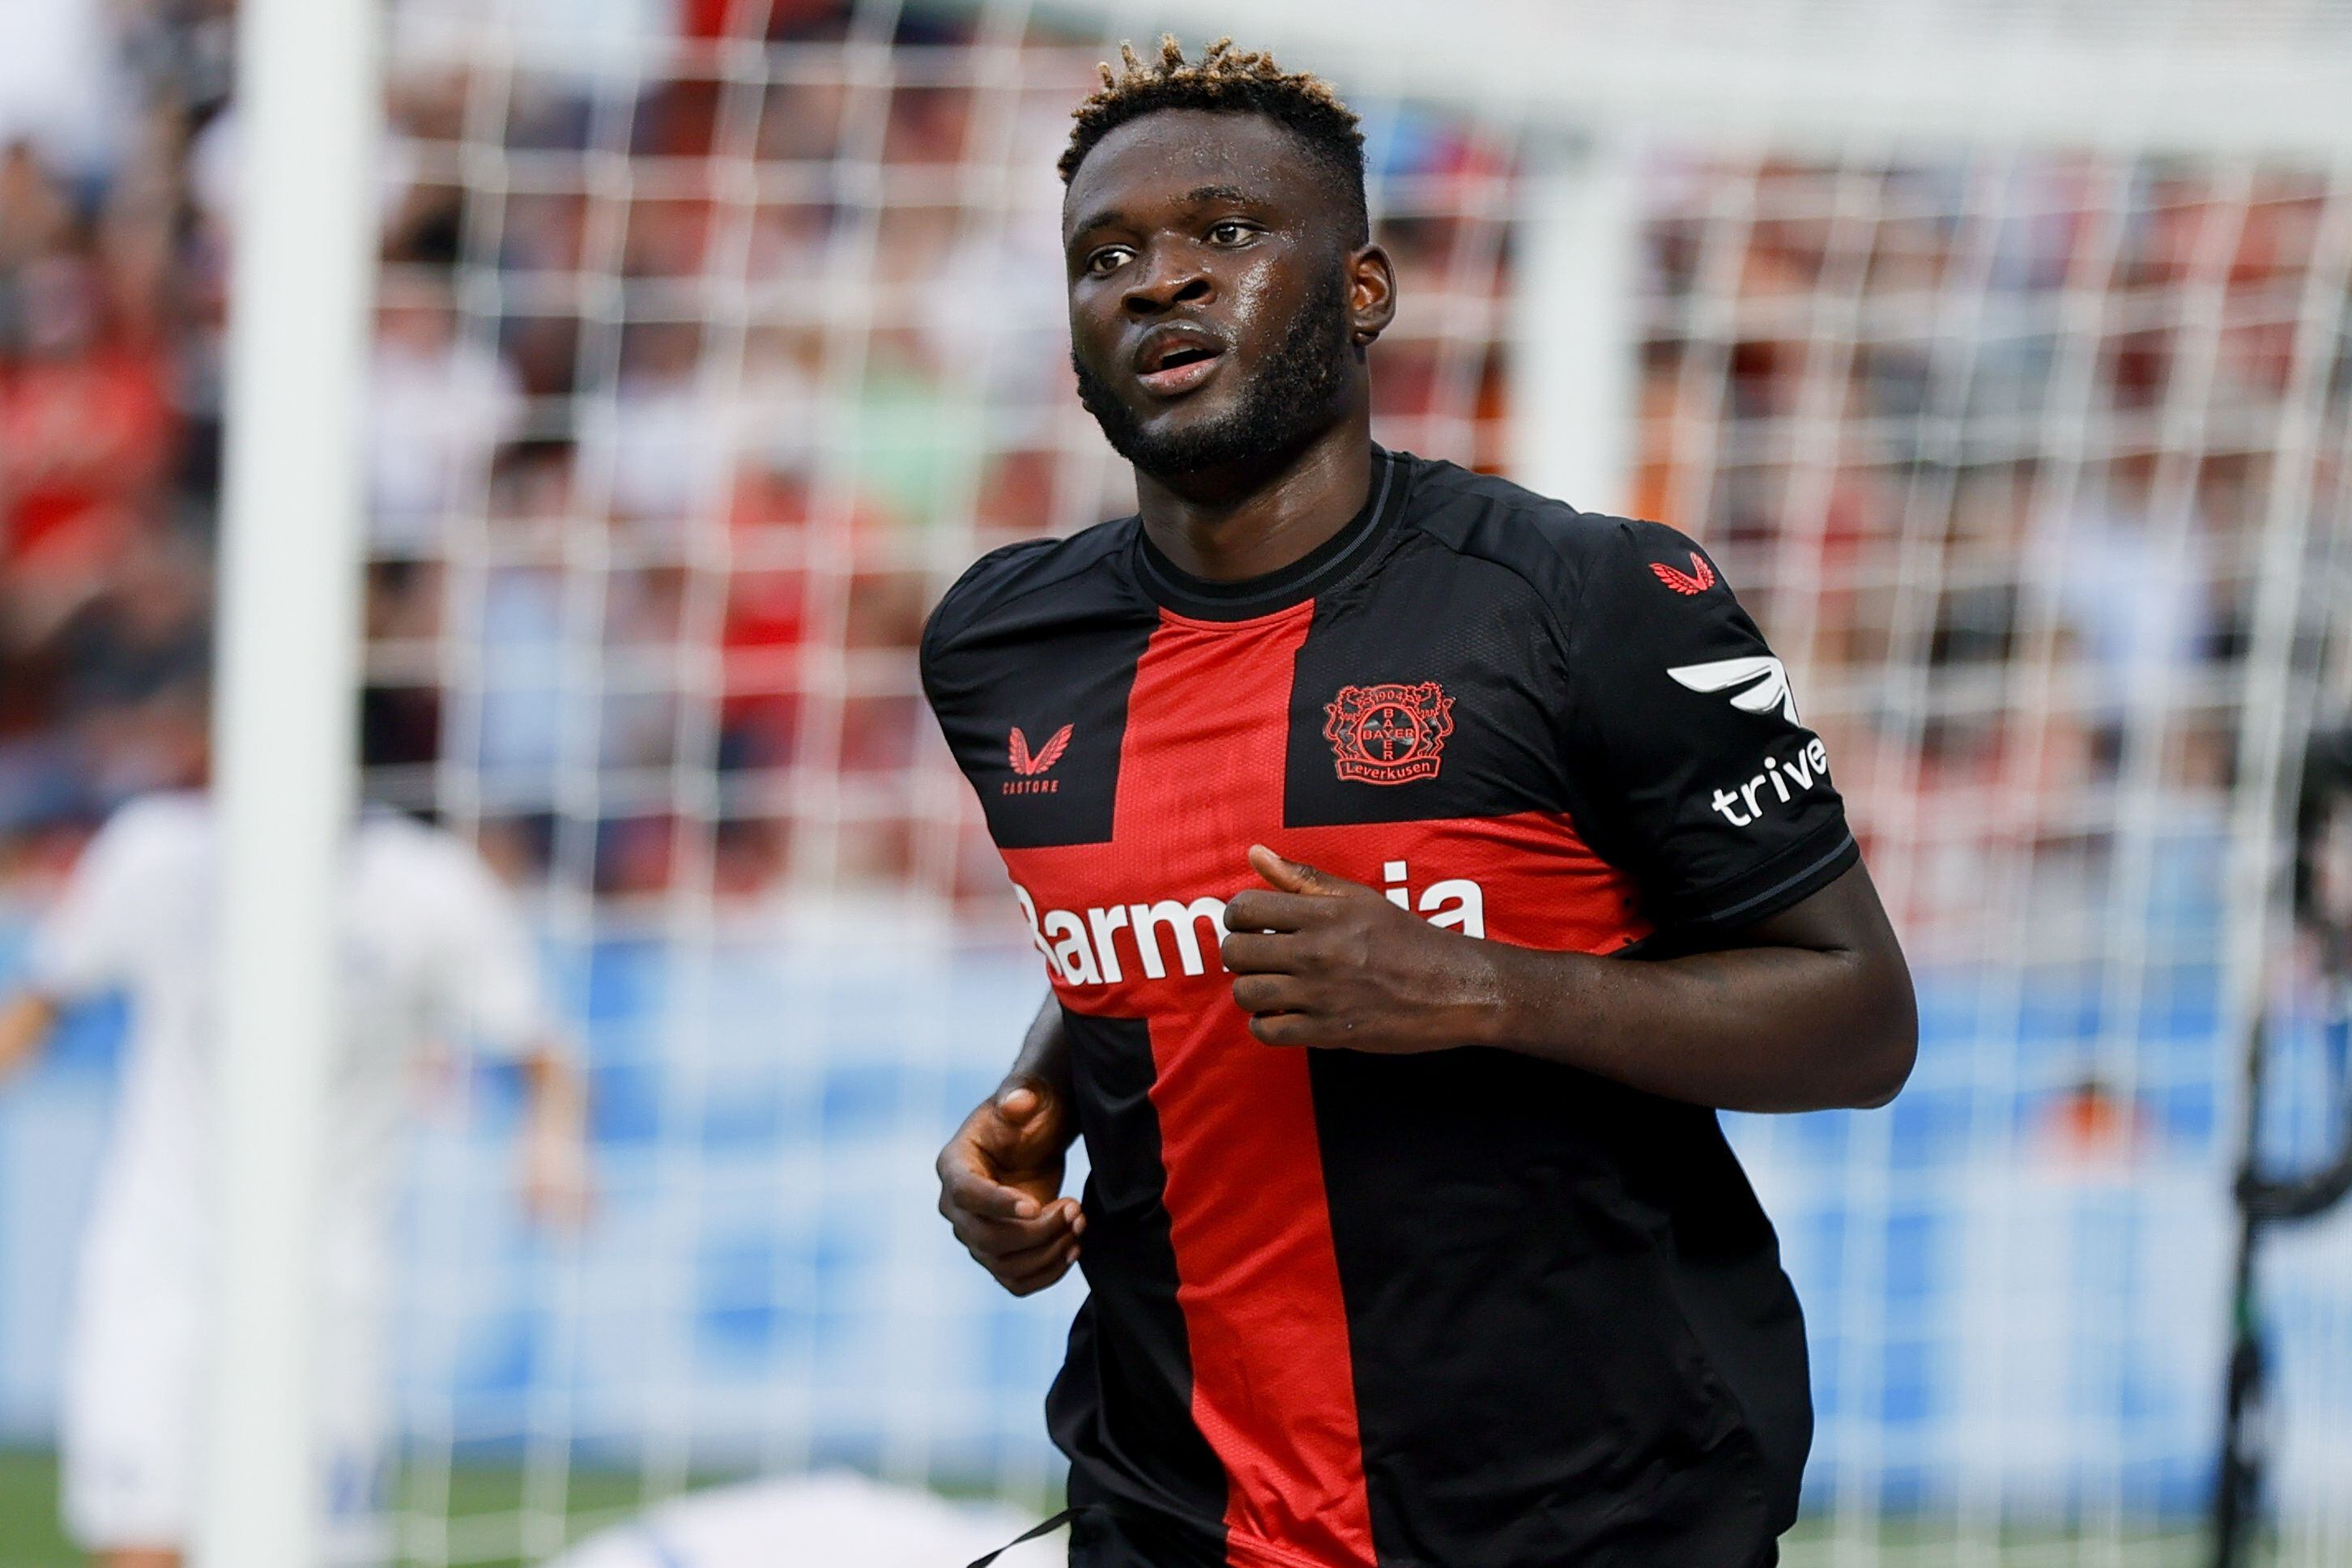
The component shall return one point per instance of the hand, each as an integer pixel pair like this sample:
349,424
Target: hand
1000,1181
27,1022
1320,961
557,1189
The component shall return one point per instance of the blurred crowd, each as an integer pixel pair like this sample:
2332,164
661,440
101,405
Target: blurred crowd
715,336
1997,447
708,349
111,312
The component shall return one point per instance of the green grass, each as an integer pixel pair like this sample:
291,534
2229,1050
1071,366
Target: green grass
30,1536
1931,1544
484,1509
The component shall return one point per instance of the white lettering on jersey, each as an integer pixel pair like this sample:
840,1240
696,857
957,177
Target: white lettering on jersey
1456,904
1184,922
1081,947
1761,679
1780,780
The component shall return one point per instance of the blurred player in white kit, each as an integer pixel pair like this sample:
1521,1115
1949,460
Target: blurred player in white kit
434,957
829,1520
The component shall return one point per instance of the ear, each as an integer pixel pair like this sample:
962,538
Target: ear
1371,293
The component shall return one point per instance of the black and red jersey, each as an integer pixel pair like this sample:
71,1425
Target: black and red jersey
1460,1310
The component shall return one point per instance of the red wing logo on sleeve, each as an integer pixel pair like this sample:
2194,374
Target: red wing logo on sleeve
1697,580
1389,734
1028,764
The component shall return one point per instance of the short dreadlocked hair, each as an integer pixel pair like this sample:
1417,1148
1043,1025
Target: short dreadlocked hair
1226,80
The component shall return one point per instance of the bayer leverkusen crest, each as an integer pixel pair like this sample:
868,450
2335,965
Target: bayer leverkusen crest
1389,734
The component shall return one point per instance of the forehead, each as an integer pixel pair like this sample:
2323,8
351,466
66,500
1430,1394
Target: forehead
1155,159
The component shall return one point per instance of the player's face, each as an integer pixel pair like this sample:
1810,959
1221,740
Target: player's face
1212,318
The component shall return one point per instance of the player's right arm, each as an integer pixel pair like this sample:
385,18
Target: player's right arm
1000,1174
26,1021
83,944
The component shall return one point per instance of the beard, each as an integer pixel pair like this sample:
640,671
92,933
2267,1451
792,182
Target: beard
1291,398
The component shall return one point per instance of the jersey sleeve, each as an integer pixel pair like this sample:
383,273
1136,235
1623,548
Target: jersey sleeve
1683,723
486,982
948,683
89,941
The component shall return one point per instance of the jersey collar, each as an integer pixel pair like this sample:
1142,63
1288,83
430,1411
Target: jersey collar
1319,569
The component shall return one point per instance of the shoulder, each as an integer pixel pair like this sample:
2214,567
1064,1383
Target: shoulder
400,855
1562,553
402,840
1015,592
155,832
1025,578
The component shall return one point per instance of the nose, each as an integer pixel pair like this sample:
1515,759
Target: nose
1171,276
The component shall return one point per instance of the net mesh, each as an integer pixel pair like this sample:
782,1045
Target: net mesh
713,345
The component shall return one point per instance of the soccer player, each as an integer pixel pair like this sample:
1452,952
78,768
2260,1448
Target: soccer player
1419,864
434,956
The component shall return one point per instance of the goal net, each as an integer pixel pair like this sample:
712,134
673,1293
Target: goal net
2001,354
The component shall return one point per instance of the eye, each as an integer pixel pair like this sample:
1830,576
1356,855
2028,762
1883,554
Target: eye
1103,262
1231,231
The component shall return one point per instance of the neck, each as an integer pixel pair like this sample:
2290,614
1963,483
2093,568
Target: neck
1231,524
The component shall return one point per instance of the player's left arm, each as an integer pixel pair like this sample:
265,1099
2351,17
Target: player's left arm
1777,983
486,989
1808,1009
557,1186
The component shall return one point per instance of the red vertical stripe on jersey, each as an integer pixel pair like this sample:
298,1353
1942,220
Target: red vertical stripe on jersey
1201,778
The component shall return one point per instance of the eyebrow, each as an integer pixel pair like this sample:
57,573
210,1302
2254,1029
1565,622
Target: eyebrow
1196,197
1098,218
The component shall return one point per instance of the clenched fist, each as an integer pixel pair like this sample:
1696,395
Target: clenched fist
1001,1183
1320,961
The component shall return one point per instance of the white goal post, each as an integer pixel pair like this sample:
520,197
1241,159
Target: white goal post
1793,75
308,127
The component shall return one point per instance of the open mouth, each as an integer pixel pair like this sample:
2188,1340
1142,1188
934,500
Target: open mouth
1178,364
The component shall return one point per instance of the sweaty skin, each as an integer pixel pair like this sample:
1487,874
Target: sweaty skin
1215,231
1215,223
